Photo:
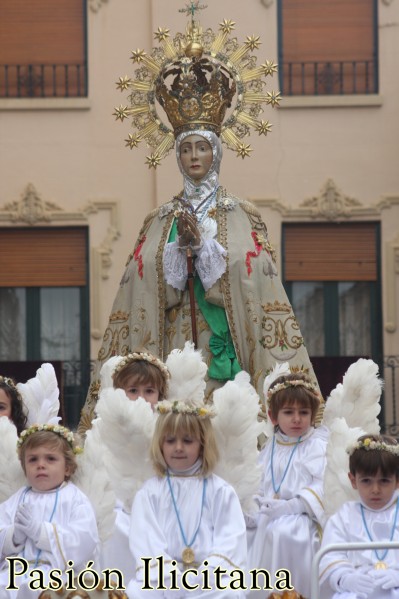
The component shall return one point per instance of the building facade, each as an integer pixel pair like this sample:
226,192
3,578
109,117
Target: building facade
325,180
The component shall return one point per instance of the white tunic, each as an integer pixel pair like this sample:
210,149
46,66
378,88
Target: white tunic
346,526
221,538
290,541
71,534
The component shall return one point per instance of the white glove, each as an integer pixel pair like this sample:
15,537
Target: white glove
357,582
26,523
18,536
388,579
274,508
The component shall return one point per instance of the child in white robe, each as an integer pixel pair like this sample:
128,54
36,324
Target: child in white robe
11,403
371,574
139,374
288,526
49,521
186,520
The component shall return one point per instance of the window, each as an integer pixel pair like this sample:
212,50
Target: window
43,48
331,274
44,308
328,47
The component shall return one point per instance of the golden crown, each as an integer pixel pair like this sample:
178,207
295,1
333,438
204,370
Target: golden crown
195,77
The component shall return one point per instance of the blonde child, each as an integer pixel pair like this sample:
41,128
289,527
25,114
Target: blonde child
374,473
185,514
290,499
49,521
11,404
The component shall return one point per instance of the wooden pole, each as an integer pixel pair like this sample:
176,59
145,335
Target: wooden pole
190,279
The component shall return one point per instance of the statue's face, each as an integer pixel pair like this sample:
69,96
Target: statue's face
196,156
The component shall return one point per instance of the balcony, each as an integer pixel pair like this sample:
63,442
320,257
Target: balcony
328,78
43,80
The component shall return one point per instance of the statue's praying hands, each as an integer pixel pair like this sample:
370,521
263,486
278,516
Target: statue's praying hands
187,229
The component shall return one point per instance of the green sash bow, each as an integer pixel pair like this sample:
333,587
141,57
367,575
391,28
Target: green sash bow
224,364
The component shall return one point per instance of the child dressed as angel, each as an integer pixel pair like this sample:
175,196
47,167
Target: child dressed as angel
372,574
131,386
49,521
186,516
291,494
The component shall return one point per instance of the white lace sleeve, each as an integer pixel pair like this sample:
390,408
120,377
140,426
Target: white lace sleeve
175,266
210,263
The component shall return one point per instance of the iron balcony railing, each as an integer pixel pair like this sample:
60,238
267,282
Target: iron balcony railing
43,80
328,78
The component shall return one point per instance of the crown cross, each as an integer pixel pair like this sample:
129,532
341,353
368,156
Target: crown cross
192,8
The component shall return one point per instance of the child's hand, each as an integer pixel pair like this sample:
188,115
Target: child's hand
18,536
274,508
357,582
26,523
387,579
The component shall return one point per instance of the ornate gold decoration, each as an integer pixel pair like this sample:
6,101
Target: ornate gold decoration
329,205
119,316
116,347
194,77
31,209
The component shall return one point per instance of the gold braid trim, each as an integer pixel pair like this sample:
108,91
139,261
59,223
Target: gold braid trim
162,284
338,561
59,545
315,495
225,558
221,218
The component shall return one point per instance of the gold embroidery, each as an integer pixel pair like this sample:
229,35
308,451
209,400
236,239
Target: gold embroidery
115,339
225,281
59,545
119,316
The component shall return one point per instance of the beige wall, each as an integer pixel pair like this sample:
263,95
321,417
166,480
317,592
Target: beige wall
72,151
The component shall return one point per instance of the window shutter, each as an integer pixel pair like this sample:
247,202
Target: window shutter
330,252
42,48
328,46
43,257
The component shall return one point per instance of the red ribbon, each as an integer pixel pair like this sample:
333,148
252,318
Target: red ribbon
253,254
138,257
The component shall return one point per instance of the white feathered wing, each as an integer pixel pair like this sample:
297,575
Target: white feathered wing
237,428
122,433
357,398
92,479
11,473
187,374
40,395
351,411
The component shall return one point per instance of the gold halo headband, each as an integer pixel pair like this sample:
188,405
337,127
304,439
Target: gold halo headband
59,430
201,63
180,407
9,382
145,357
287,385
371,445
